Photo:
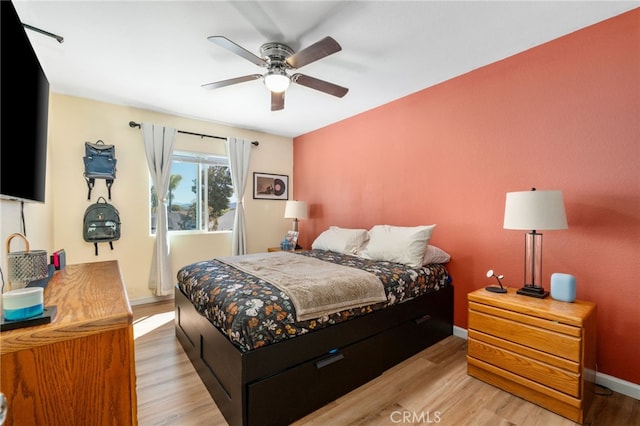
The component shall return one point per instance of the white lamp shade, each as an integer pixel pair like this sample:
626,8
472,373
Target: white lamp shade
535,210
295,210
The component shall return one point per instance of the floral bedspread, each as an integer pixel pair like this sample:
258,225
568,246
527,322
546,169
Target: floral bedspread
253,313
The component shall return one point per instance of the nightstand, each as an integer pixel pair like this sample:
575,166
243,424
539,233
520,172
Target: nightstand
541,350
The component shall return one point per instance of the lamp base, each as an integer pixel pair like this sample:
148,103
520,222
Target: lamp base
494,289
532,291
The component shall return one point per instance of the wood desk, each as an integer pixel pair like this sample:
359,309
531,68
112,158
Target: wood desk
80,368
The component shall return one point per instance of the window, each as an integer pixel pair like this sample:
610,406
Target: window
201,195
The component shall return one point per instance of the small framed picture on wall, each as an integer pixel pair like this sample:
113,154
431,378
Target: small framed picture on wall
267,186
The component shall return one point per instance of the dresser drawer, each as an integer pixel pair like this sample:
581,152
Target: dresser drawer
551,399
527,318
547,358
549,375
546,336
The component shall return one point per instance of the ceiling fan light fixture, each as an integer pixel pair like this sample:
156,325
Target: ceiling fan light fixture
277,81
279,58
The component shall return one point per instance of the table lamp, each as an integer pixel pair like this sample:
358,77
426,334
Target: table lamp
535,211
295,210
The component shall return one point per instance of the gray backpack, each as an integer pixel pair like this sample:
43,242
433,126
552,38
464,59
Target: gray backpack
101,224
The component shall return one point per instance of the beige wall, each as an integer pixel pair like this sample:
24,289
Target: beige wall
76,120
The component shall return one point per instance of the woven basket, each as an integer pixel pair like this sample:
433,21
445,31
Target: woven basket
25,266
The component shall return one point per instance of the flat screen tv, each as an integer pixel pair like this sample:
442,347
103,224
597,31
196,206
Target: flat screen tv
24,110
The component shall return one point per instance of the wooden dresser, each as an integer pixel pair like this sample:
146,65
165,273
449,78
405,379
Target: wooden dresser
542,350
80,368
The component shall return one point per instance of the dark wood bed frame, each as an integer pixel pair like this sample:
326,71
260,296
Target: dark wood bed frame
280,383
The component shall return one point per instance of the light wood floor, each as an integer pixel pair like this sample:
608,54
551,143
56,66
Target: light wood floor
431,387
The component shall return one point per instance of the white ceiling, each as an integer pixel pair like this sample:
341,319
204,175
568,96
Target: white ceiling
155,54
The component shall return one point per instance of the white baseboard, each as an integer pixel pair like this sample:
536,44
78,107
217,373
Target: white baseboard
150,299
617,385
460,332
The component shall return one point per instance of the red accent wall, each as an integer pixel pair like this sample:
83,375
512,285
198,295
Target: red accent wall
564,115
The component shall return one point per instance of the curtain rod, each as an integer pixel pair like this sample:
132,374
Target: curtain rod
134,124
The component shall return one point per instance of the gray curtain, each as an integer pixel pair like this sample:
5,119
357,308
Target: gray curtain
158,146
239,154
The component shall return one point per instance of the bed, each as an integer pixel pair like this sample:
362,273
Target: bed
263,364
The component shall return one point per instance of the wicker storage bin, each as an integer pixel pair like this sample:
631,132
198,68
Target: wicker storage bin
25,266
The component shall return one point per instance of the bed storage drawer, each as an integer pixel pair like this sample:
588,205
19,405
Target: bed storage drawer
315,383
187,323
216,361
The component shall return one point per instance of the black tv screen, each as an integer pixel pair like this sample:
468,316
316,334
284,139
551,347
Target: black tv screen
24,110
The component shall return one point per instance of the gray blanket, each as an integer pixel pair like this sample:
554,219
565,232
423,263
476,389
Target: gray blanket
315,287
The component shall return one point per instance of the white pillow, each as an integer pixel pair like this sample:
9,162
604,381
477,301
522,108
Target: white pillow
400,244
341,240
433,254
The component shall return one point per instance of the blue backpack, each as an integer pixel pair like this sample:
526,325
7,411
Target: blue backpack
99,163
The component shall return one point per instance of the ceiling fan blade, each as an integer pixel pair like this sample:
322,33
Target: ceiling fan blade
237,49
229,82
318,50
277,101
321,85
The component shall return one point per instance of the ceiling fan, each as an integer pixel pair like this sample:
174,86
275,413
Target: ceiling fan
278,58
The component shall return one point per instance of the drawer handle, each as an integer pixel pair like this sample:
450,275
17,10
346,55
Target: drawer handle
328,360
422,319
